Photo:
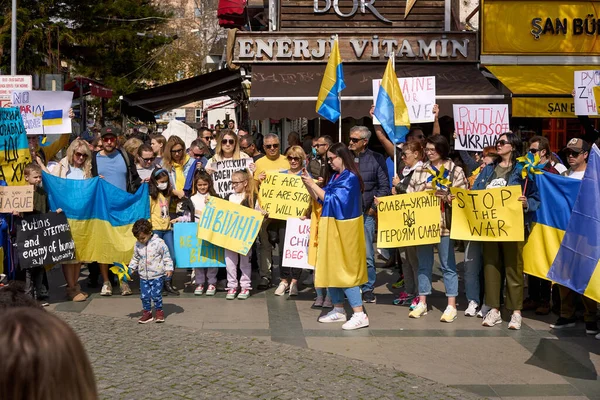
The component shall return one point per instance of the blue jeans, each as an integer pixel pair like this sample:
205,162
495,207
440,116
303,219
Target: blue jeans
369,235
167,236
353,295
473,264
446,255
151,290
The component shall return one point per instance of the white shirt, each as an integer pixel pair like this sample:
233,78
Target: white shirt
237,198
199,201
576,175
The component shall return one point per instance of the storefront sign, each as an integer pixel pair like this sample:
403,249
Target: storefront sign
261,47
543,107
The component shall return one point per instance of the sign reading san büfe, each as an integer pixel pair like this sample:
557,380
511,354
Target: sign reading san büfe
490,215
479,125
193,253
229,225
419,96
283,196
410,219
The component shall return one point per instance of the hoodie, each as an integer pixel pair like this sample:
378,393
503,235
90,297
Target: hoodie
151,260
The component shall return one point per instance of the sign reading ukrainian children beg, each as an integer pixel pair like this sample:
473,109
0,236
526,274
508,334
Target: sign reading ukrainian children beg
222,175
419,95
44,112
14,151
410,219
229,225
479,125
283,196
491,215
193,253
16,198
295,248
585,102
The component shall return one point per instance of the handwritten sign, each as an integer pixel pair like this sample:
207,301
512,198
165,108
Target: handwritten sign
44,239
44,112
283,196
479,125
16,198
419,96
8,83
229,225
295,248
222,175
491,215
14,151
193,253
410,219
585,81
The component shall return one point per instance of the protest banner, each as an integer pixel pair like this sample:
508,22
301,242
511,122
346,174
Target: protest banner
193,253
410,219
44,239
16,198
222,175
295,247
479,125
8,83
491,215
44,112
14,151
419,96
283,196
584,83
229,225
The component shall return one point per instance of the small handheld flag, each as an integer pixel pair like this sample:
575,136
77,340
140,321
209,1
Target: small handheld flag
328,102
439,178
390,107
529,165
121,271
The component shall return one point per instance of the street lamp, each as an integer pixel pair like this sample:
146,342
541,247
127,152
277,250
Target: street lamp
13,39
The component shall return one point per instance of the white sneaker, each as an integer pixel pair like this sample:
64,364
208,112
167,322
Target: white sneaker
333,316
515,322
106,289
293,289
483,311
449,314
492,318
281,289
418,311
471,311
598,336
356,322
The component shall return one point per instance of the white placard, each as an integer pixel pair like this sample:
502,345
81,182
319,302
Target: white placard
185,132
295,248
419,95
478,125
584,82
222,175
44,112
8,83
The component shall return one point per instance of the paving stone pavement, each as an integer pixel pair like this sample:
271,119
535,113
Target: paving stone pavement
163,361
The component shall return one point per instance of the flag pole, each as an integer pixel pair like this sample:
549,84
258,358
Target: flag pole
340,102
393,56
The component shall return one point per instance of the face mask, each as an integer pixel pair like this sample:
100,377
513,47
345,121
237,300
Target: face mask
213,144
314,152
162,186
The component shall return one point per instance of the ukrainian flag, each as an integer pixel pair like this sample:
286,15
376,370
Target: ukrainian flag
52,117
576,264
341,257
100,216
328,102
390,107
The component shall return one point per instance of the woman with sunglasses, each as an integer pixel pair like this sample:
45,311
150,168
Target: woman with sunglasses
503,258
177,162
76,165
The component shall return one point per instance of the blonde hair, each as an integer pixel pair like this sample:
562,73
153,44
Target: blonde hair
251,193
296,151
132,145
172,142
236,146
83,147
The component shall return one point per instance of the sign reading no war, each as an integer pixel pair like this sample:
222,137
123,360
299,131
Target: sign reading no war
193,253
283,196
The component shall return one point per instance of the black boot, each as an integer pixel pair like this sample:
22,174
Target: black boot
169,288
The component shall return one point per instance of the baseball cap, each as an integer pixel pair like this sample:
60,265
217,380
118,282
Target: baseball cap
578,145
110,130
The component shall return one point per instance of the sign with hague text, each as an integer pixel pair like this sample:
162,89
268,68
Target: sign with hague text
193,253
585,101
44,112
14,151
490,215
419,95
283,196
16,198
229,225
295,247
222,175
479,125
410,219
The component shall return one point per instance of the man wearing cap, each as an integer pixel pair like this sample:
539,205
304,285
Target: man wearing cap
118,168
577,152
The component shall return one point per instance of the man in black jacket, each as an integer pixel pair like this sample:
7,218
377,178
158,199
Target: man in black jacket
373,171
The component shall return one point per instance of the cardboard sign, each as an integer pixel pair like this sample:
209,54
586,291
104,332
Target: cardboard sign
295,247
14,151
584,82
193,253
283,196
479,125
44,239
44,112
16,198
410,219
419,95
229,225
222,175
491,215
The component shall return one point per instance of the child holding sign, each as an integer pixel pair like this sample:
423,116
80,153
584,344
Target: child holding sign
202,189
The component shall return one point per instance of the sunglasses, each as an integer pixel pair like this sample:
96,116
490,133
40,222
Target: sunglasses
245,147
501,143
271,146
317,145
533,151
295,159
197,156
571,153
227,141
207,137
173,151
149,159
81,155
330,159
355,140
110,139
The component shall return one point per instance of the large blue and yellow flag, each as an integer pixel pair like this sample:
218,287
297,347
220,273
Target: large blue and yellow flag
329,103
557,196
576,264
340,238
100,216
390,107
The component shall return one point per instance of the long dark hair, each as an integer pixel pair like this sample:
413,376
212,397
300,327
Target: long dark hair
341,150
202,175
153,184
515,142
